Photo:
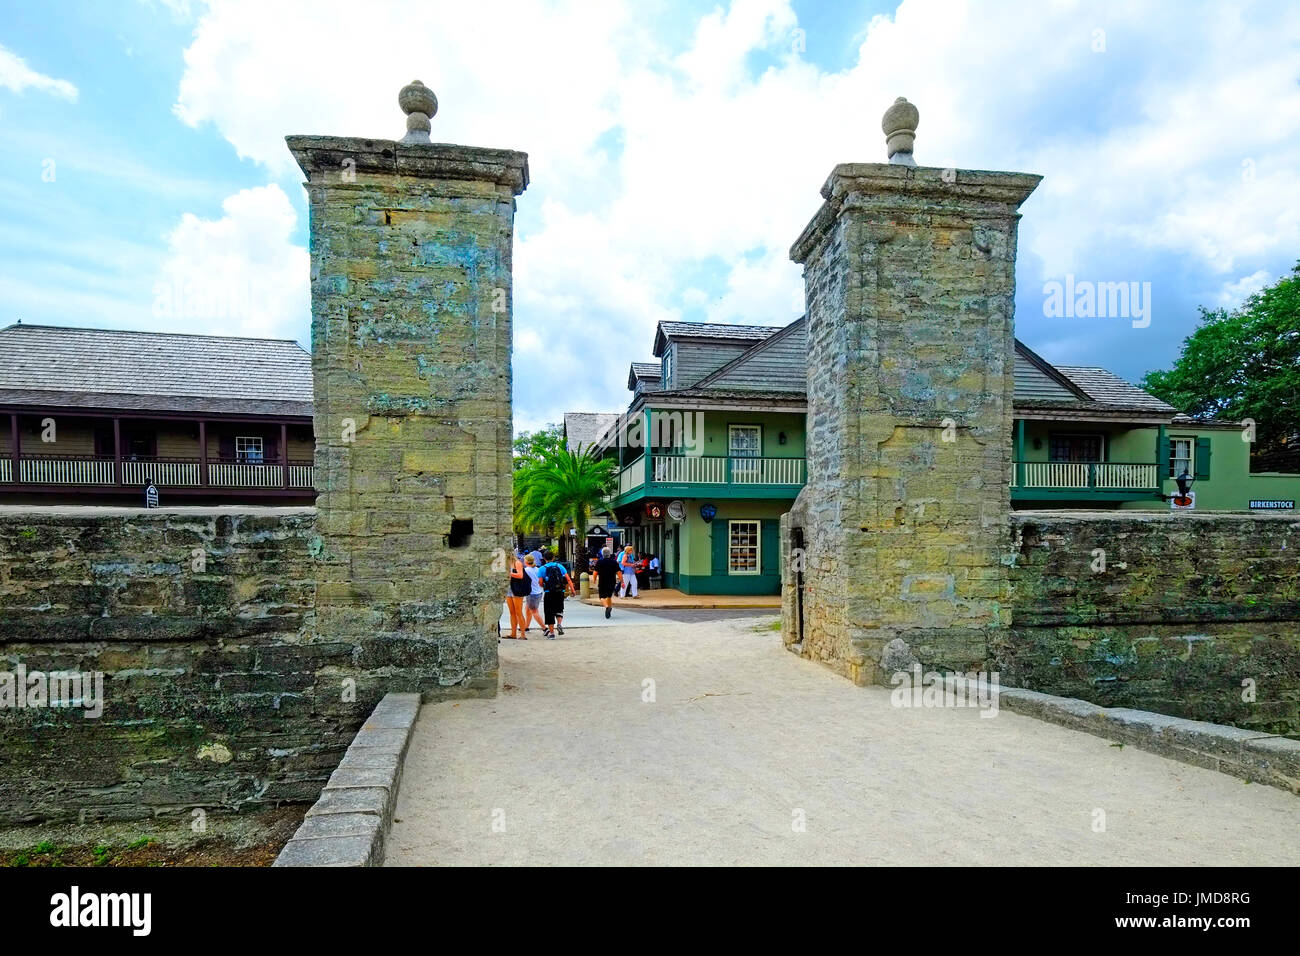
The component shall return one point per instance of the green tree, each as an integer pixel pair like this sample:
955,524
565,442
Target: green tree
562,488
536,446
1243,363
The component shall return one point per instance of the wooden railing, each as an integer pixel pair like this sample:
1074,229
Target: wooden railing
632,476
710,470
165,472
58,470
1085,475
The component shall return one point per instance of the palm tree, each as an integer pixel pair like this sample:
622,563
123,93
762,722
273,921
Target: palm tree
562,487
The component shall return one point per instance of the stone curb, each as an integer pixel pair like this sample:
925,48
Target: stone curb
1246,754
348,824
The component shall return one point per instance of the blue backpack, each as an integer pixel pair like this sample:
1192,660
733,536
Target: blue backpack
553,578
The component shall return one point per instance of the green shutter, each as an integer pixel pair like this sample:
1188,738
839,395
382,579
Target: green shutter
1202,458
771,548
1162,454
718,528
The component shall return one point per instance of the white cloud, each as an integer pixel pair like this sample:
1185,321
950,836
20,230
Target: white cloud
237,275
671,174
1235,293
16,75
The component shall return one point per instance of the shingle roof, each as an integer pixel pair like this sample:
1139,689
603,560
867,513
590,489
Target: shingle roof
796,327
711,330
582,429
106,368
645,372
1107,388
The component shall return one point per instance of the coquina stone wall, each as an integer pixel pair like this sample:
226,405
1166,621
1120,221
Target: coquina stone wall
218,693
1191,615
411,247
909,276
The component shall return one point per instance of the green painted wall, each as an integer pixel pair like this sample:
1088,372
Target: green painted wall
697,574
714,438
1229,487
1122,444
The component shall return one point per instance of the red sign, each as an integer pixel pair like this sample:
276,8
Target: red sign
654,511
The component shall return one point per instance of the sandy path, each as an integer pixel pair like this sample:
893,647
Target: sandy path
744,736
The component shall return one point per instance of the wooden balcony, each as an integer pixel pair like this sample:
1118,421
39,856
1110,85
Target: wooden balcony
1098,480
708,475
41,472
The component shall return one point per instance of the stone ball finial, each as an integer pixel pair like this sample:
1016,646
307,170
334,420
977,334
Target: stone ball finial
420,105
899,123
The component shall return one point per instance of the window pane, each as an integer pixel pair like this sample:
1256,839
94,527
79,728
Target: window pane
1180,456
746,441
742,551
248,448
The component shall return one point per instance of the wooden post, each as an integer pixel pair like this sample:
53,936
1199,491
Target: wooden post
15,447
203,454
1018,465
117,451
284,455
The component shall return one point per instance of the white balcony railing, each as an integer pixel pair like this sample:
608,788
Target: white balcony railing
165,473
632,476
707,470
1085,475
66,471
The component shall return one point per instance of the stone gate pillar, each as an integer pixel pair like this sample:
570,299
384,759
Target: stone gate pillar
910,278
411,336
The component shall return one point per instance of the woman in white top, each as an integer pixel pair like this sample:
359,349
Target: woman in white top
533,610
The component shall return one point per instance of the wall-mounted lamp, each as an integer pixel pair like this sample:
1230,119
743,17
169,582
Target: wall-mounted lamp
780,439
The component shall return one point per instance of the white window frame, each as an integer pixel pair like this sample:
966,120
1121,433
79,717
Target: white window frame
758,547
731,447
246,443
668,367
1190,442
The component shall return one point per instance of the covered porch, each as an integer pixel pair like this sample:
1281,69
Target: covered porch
74,453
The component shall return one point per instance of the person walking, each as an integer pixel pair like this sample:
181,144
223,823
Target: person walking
520,586
627,565
533,607
607,579
556,584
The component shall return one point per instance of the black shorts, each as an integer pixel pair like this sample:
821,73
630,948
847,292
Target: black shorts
552,606
606,587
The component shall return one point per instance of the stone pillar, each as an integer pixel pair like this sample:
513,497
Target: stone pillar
910,281
411,337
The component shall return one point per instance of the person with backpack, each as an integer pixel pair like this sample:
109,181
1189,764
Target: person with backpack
556,584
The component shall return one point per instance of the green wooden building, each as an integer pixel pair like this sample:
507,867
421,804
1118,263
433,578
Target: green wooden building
712,450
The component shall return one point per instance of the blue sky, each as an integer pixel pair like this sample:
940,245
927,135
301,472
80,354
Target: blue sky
676,151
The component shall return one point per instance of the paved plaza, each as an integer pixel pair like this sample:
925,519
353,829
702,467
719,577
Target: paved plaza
700,740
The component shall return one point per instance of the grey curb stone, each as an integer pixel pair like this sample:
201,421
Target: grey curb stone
1246,754
347,826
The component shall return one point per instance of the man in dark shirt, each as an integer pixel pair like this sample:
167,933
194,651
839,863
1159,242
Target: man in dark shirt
608,577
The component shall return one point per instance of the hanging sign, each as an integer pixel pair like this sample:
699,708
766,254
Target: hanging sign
707,512
676,510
